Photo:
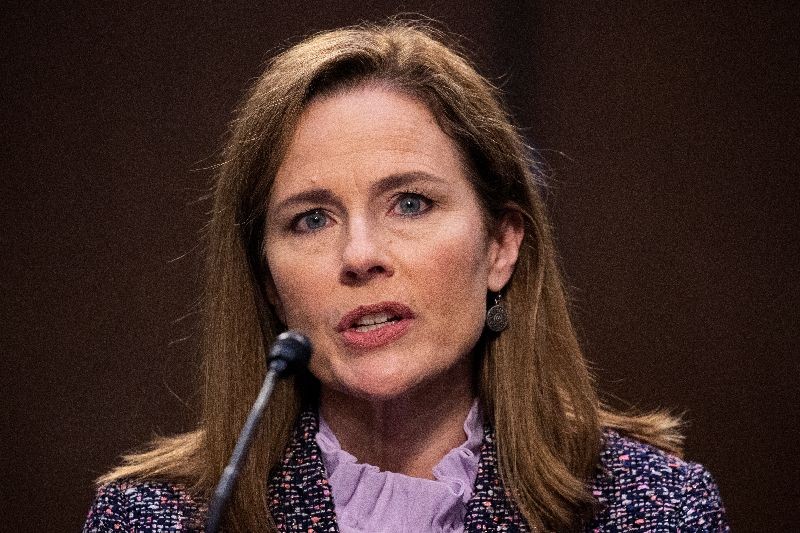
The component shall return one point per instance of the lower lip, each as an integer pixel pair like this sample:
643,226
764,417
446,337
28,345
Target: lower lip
377,337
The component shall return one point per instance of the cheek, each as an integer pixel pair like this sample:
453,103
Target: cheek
455,272
299,283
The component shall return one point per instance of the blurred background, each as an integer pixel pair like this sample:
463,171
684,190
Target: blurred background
670,134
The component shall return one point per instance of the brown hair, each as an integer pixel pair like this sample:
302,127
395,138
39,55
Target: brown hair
534,382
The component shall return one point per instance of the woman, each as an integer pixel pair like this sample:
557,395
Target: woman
375,196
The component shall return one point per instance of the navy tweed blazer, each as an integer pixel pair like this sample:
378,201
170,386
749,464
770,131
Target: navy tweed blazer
637,488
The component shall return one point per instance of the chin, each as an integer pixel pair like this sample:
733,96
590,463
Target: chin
369,384
378,390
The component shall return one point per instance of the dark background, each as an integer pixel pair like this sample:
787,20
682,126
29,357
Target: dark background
670,133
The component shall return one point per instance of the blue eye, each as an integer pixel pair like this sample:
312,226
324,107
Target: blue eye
311,221
412,204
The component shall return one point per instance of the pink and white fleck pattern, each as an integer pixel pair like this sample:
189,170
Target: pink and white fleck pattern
636,486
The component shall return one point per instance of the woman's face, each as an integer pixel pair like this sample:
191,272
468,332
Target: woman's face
377,245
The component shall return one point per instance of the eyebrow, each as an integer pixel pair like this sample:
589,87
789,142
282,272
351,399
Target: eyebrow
323,195
310,196
402,179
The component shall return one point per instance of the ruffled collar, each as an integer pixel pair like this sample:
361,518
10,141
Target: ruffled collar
368,499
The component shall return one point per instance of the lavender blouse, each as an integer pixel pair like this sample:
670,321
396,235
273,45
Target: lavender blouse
368,499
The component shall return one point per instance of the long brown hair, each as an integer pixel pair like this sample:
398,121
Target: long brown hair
534,383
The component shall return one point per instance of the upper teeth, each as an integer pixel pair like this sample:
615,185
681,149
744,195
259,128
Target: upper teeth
377,318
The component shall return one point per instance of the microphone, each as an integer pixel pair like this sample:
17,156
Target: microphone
289,353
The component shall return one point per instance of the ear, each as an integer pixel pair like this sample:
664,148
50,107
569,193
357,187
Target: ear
504,246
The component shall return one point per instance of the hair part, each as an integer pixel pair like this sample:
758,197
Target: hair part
534,383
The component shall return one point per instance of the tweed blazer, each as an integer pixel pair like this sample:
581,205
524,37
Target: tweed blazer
637,488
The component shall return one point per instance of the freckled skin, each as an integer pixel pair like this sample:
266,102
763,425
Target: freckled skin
439,262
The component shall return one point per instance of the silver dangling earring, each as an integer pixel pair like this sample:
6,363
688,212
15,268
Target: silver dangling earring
497,316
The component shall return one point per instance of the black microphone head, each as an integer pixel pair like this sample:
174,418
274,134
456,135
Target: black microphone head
290,352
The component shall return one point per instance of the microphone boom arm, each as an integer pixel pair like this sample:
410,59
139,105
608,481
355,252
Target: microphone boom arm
290,352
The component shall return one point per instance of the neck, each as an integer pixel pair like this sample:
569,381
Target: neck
408,434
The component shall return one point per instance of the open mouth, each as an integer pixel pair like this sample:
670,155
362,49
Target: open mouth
374,321
371,326
373,316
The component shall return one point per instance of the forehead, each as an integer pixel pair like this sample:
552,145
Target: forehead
365,133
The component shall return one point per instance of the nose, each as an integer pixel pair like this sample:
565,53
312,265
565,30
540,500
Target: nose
365,254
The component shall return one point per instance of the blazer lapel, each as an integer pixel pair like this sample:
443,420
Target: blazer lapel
300,495
490,509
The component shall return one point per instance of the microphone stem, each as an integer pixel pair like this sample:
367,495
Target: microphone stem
228,480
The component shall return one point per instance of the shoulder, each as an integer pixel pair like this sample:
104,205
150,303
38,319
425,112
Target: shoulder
640,487
143,506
